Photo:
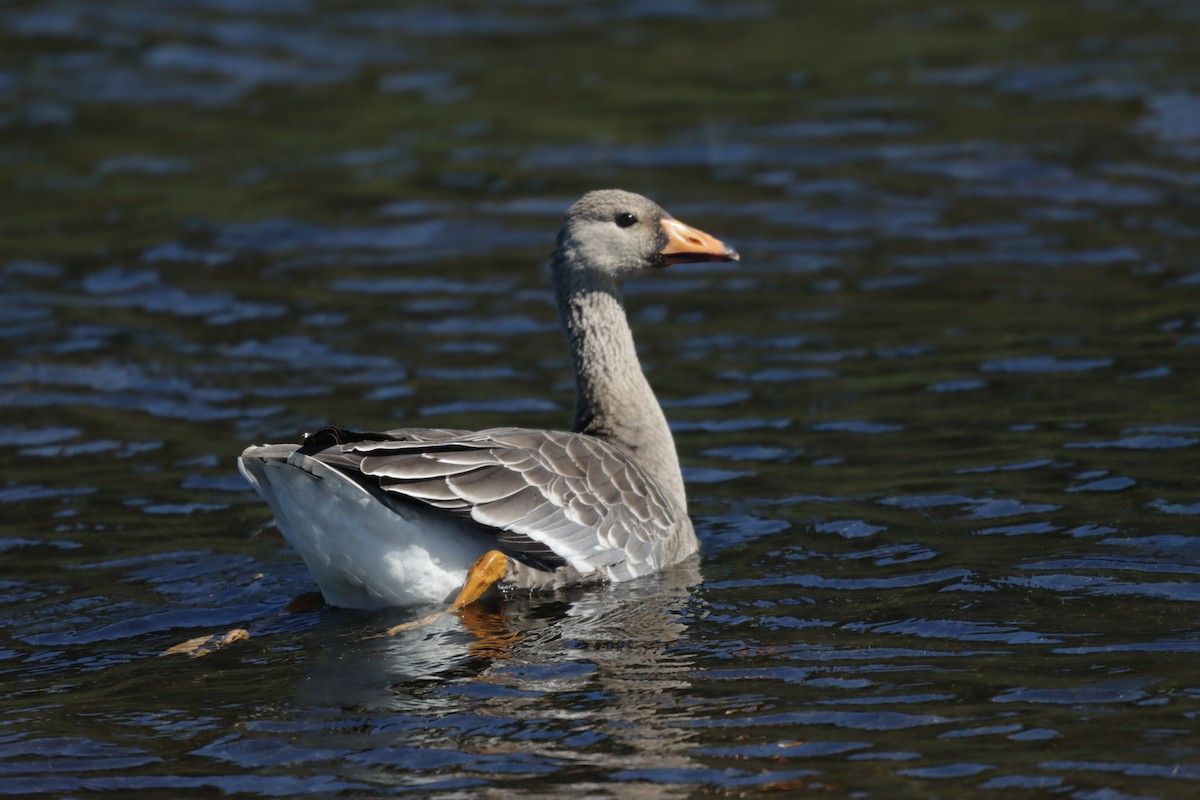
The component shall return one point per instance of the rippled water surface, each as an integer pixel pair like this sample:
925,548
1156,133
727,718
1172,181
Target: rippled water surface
940,427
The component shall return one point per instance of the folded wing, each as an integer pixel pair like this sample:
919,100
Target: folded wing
549,497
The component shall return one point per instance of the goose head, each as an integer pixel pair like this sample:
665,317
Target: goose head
611,235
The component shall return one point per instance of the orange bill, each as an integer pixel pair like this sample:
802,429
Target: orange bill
687,244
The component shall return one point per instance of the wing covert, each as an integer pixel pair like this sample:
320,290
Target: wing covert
572,495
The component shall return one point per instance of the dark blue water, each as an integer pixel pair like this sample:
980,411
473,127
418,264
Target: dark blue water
940,426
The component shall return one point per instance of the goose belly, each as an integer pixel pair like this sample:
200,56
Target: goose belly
362,552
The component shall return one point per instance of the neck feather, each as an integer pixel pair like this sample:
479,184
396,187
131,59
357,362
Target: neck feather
613,399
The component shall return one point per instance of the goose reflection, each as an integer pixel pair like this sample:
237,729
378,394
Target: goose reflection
542,678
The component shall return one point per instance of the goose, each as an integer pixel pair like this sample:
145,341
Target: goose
429,516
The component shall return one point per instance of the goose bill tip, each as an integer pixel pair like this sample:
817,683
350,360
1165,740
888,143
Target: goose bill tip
687,244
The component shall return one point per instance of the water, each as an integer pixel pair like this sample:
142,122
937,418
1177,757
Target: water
939,426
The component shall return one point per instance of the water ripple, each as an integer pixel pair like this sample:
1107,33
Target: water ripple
936,425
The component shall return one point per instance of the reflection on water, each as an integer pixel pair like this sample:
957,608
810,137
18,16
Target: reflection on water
939,426
475,690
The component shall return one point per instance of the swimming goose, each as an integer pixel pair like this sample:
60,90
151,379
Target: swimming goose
429,516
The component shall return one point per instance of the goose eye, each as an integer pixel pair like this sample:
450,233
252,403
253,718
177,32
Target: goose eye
625,219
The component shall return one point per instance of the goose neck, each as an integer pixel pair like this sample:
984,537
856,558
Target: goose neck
613,399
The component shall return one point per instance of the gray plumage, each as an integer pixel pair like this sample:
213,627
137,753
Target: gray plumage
604,501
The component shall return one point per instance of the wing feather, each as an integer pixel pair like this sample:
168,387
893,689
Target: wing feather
547,495
408,467
428,490
487,485
504,512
